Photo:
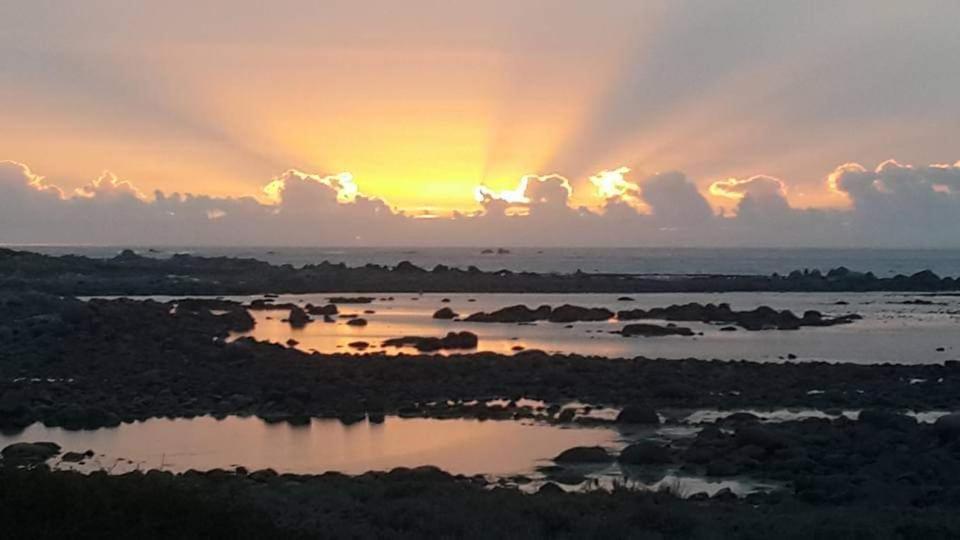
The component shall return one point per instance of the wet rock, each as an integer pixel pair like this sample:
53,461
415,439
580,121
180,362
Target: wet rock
328,309
948,427
445,313
638,414
512,314
761,318
453,340
885,419
654,330
550,488
298,318
646,453
762,437
30,453
584,454
350,299
360,345
724,494
566,415
568,313
73,457
357,322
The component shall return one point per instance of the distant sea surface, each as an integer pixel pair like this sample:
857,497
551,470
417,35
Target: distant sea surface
664,261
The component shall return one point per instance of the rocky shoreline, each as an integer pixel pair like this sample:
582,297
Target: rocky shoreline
183,275
92,364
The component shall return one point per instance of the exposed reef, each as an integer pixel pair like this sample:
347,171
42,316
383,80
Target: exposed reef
132,274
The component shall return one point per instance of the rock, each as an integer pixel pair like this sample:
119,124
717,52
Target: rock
550,488
453,340
30,453
761,318
73,457
445,313
298,318
361,345
350,299
567,314
329,309
653,330
645,453
725,494
566,415
638,414
885,419
760,436
584,454
357,322
512,314
948,427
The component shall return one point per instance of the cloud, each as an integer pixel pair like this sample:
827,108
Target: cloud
891,205
675,201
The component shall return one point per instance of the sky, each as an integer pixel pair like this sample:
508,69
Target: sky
614,122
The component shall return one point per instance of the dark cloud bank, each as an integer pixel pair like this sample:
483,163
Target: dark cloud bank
892,205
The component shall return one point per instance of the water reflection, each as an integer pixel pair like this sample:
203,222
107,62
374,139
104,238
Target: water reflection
461,446
890,332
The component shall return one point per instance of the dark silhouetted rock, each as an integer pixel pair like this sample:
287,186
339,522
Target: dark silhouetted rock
445,313
30,453
453,340
357,322
948,427
646,453
638,414
298,318
584,454
654,330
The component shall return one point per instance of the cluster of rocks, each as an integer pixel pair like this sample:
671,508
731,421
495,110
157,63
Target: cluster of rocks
654,330
453,340
523,314
761,318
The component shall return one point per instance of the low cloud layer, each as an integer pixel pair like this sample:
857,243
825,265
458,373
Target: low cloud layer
892,205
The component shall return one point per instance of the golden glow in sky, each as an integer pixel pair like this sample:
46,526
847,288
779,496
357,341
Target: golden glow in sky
433,106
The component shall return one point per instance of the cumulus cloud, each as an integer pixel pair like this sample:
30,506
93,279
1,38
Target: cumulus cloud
891,205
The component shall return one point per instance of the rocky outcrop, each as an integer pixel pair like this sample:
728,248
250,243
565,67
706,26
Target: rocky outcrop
523,314
445,314
761,318
638,414
584,454
654,330
453,340
26,453
298,318
646,453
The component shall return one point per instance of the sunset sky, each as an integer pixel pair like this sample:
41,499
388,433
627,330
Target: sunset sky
417,104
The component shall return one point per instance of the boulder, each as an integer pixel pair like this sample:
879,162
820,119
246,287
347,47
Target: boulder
30,453
948,427
762,437
298,317
567,314
646,453
445,313
638,414
584,454
881,419
357,322
654,330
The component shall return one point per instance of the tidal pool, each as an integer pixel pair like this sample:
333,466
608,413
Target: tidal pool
462,446
894,329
